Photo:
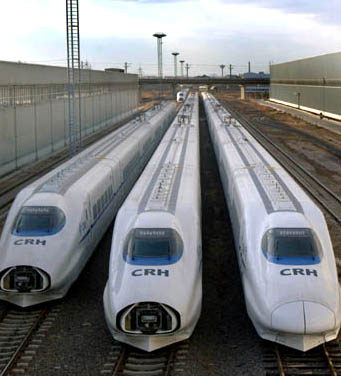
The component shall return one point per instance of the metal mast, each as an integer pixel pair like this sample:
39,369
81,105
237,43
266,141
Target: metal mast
187,67
175,54
159,37
182,67
74,75
222,66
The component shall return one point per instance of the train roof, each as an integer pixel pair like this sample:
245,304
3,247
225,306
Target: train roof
160,184
61,179
256,169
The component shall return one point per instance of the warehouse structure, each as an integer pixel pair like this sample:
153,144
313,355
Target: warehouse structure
312,84
34,108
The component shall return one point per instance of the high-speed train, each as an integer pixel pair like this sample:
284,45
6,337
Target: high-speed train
153,294
285,255
56,222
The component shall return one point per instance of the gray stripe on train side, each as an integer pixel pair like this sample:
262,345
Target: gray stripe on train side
176,185
156,174
293,199
267,202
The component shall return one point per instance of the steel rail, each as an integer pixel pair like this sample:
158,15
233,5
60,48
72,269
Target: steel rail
120,363
298,175
279,361
134,362
20,348
333,371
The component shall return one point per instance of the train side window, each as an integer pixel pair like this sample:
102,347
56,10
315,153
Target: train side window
94,209
292,246
39,221
153,246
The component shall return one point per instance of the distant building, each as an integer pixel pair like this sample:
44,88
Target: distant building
256,75
119,70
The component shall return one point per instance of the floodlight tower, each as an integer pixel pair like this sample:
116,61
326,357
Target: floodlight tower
187,67
159,37
74,75
175,54
222,66
182,67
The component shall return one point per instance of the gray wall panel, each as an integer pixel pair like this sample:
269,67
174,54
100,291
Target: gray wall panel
314,82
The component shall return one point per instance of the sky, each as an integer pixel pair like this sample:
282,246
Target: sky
206,33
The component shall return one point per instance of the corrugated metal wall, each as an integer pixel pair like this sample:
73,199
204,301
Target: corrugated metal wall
312,84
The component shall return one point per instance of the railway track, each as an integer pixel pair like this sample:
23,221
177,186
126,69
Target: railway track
124,360
322,194
21,332
320,361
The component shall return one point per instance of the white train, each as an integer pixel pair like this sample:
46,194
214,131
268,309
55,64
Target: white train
153,294
285,255
56,222
182,95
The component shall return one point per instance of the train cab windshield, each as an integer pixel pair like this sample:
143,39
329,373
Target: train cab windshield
291,246
153,246
38,221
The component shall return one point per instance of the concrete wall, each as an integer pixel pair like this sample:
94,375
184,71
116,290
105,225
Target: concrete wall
38,126
312,84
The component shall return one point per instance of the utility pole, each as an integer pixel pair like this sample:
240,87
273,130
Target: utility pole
175,54
74,75
159,37
222,66
182,67
187,68
230,67
249,66
126,67
140,71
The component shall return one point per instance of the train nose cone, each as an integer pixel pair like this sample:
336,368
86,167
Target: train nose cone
302,318
318,318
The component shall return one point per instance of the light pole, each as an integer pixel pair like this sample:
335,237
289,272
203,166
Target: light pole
175,54
126,65
222,66
182,67
187,67
231,67
159,37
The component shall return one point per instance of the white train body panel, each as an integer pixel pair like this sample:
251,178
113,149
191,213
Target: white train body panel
291,289
163,214
40,260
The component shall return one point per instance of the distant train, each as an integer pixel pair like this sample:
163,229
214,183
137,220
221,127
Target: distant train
285,255
56,222
154,291
182,95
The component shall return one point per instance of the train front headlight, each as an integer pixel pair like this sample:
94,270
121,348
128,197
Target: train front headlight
148,318
23,279
148,321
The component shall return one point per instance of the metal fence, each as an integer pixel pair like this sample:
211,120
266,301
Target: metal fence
34,118
17,95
